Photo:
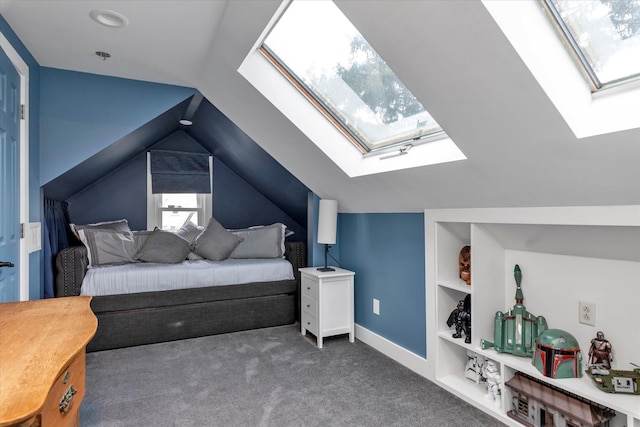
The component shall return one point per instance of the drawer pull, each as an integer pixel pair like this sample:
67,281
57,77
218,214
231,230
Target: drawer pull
308,305
308,323
308,288
66,402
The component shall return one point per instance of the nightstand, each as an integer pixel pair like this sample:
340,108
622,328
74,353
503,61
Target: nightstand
327,303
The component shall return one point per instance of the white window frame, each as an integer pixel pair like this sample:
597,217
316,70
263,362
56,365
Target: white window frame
154,201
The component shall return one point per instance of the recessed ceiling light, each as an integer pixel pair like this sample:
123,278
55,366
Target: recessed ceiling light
185,122
109,18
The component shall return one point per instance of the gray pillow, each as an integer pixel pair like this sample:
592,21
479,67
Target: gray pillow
164,247
119,225
260,242
106,247
140,237
215,243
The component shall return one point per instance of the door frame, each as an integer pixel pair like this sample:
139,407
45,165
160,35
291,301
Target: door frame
23,70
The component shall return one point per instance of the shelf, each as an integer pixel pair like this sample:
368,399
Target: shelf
566,255
472,392
446,335
458,285
581,386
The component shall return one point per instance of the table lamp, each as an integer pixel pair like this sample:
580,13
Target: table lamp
327,221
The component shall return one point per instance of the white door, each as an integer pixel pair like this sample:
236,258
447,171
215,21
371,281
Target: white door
9,180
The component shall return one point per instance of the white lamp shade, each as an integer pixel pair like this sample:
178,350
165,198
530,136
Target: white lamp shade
327,221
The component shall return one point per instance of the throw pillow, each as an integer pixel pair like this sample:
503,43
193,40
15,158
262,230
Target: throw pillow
189,231
260,242
163,247
119,225
105,247
215,243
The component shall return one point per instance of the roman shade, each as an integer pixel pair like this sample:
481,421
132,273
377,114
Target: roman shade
179,172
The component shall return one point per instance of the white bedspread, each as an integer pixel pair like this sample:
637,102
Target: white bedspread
147,277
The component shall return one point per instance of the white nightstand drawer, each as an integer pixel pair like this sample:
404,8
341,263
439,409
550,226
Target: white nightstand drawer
310,306
310,323
310,288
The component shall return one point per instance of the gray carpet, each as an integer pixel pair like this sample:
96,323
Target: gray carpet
265,377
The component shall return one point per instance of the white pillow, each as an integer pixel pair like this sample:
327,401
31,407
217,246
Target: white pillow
189,231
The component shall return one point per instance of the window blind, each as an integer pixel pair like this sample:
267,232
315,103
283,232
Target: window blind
179,172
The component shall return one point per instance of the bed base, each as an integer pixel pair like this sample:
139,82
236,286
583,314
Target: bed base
153,317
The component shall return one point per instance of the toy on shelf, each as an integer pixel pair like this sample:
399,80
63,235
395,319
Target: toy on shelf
464,264
461,318
601,351
535,403
515,331
615,380
473,369
558,355
494,382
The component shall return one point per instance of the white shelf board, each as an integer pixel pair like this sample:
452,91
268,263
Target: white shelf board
446,335
625,403
457,285
473,393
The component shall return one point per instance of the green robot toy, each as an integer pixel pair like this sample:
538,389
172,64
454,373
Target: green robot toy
516,331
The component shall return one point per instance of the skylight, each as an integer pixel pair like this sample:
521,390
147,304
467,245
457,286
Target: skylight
586,110
604,35
316,47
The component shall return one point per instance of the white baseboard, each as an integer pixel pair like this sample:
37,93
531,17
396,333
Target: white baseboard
401,355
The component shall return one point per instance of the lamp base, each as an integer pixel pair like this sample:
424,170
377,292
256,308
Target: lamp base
325,269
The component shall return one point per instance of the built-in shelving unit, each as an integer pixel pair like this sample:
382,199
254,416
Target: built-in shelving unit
566,255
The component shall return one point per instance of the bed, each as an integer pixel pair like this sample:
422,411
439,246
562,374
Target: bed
145,315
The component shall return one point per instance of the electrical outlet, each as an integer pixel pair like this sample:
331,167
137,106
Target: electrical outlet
376,306
587,313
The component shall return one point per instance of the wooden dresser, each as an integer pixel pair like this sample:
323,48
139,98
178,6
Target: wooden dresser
42,361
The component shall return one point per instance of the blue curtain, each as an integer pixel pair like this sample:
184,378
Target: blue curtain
56,238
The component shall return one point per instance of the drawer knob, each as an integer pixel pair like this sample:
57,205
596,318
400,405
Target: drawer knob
66,402
308,306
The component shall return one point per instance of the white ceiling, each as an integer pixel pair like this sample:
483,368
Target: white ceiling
453,57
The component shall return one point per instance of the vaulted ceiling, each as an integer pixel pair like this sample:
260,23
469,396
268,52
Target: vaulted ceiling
451,54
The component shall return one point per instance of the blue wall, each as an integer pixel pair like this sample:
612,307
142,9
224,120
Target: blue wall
123,194
81,114
35,200
387,253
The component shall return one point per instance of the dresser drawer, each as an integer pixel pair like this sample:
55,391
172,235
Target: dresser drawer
310,306
310,323
66,392
310,288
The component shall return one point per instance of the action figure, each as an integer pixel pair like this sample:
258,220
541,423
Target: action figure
492,376
464,264
461,317
473,369
600,352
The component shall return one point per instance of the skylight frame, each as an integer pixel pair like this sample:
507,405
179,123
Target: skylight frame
578,55
312,97
356,136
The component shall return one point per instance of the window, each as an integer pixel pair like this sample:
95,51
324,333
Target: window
168,211
534,36
523,405
604,36
344,77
